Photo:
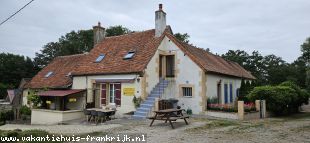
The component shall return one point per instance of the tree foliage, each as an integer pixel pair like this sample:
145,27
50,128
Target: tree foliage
74,42
269,69
182,37
12,69
117,30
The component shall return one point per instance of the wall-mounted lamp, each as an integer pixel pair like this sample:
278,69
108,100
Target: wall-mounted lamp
138,79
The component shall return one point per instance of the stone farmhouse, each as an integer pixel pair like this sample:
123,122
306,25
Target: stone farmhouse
149,64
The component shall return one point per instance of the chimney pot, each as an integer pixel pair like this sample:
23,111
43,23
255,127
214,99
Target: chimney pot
99,33
160,21
160,6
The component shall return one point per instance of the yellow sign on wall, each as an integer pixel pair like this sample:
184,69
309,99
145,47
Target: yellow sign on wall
72,99
129,91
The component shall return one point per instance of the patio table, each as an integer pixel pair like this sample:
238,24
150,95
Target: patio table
108,112
169,115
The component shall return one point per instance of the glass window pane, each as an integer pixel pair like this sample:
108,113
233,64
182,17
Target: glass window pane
100,58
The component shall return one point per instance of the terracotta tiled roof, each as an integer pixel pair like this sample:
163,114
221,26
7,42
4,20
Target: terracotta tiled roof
115,48
210,62
61,67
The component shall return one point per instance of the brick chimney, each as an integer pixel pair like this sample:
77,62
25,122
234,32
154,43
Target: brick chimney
160,21
99,33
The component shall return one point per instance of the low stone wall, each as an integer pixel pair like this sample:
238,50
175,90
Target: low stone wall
225,115
47,117
241,114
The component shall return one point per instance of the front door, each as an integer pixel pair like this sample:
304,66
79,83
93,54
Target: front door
170,66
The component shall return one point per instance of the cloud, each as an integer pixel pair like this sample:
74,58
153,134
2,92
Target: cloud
271,27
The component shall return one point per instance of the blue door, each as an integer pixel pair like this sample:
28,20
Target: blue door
226,93
231,93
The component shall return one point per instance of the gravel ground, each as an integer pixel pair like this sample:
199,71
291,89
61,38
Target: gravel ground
274,130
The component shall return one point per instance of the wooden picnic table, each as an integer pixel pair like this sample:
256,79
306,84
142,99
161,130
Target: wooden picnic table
169,115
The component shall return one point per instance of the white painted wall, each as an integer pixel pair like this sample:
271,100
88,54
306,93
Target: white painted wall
188,73
48,117
25,94
85,82
212,81
152,77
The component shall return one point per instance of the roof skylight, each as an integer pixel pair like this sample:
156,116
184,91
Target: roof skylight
100,58
129,55
48,74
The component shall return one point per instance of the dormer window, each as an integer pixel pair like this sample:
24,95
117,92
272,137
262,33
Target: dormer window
49,74
100,58
129,55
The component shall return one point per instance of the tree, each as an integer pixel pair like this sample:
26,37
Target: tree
117,30
182,37
305,49
238,56
12,69
73,43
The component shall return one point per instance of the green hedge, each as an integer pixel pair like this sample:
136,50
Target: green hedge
282,99
6,115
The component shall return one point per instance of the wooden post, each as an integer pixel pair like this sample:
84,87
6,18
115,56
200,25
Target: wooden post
241,110
263,108
156,104
257,105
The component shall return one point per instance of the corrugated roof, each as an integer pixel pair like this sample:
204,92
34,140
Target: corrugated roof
59,92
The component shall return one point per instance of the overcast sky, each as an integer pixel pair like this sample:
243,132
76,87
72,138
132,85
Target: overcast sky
271,27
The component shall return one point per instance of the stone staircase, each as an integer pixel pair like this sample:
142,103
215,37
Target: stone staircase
148,104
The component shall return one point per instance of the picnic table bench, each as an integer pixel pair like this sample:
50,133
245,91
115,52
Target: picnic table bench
169,115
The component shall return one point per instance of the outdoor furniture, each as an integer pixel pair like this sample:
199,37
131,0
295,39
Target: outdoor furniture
94,115
169,115
101,116
113,114
87,113
107,113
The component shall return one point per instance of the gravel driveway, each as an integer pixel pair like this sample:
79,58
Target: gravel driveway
274,130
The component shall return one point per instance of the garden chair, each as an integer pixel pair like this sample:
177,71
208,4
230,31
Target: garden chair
87,113
102,116
94,115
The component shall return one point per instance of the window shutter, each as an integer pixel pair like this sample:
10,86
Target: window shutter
118,94
103,94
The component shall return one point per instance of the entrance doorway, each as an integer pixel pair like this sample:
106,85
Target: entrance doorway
170,66
166,66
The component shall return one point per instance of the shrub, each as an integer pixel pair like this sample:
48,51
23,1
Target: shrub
33,98
137,101
24,110
212,100
282,99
